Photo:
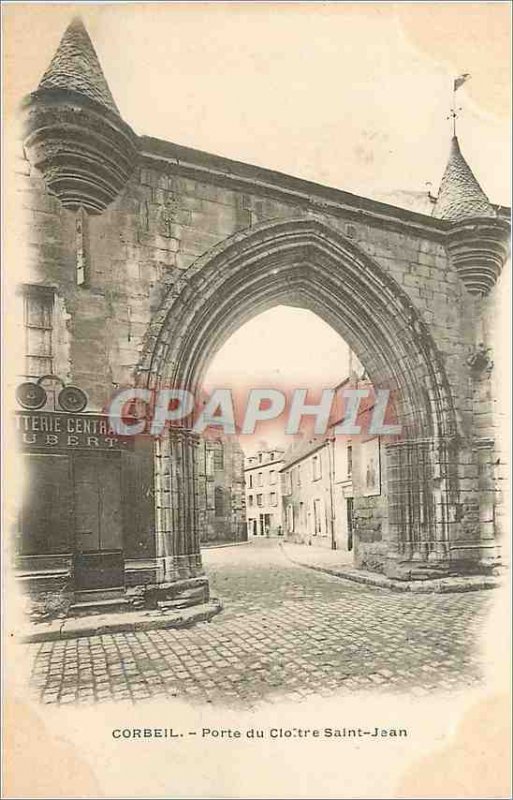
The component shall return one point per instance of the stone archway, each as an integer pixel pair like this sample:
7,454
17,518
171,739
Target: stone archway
306,263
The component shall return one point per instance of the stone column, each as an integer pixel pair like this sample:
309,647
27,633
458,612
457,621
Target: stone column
177,529
423,507
487,435
487,487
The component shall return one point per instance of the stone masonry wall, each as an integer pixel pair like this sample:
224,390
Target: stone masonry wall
370,518
165,219
160,225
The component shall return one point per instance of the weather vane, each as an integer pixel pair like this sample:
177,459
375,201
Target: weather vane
459,81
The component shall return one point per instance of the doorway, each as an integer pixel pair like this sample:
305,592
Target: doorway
265,524
350,523
98,557
307,263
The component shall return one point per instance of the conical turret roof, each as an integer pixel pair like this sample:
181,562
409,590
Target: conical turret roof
75,66
460,195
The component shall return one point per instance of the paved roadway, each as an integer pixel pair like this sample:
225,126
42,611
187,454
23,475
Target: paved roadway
286,632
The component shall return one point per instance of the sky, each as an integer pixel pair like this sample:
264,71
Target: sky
282,348
354,96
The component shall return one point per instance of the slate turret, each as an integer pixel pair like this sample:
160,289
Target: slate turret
74,132
478,238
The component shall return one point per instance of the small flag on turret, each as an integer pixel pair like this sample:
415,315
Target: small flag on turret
461,80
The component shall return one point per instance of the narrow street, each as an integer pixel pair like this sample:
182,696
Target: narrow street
286,632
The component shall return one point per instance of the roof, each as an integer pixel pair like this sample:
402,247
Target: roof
302,451
460,196
75,66
419,201
260,465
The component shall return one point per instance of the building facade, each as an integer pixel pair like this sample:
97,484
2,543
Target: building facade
332,491
135,258
307,486
222,503
335,489
360,481
263,493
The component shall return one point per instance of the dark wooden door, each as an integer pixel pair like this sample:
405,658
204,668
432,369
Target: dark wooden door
97,489
98,559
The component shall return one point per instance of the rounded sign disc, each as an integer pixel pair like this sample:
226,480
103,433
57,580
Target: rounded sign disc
72,399
30,395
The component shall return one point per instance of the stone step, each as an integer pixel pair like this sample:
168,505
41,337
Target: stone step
173,605
98,606
187,598
87,595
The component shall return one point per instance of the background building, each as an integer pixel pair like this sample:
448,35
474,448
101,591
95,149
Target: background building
307,486
335,489
360,478
263,493
222,504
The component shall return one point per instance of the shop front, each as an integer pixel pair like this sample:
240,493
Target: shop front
86,522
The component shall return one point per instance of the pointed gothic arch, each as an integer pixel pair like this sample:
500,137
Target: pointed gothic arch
99,196
301,262
304,262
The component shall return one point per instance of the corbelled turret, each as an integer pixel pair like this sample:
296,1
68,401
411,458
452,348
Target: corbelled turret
460,195
75,134
478,240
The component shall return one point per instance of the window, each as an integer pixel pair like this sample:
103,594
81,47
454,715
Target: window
219,502
81,234
272,476
260,456
219,457
285,483
250,499
259,499
272,456
318,527
274,499
250,481
349,460
298,475
316,468
290,519
38,324
260,478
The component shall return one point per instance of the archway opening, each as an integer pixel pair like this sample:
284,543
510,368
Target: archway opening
305,264
296,487
283,348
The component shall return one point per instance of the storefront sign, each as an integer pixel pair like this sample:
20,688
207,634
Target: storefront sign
55,431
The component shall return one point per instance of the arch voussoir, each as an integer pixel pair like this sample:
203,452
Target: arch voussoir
305,262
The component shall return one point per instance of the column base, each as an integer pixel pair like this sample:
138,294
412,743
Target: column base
407,570
175,594
416,570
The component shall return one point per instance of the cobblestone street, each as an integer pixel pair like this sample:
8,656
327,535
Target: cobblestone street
286,632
